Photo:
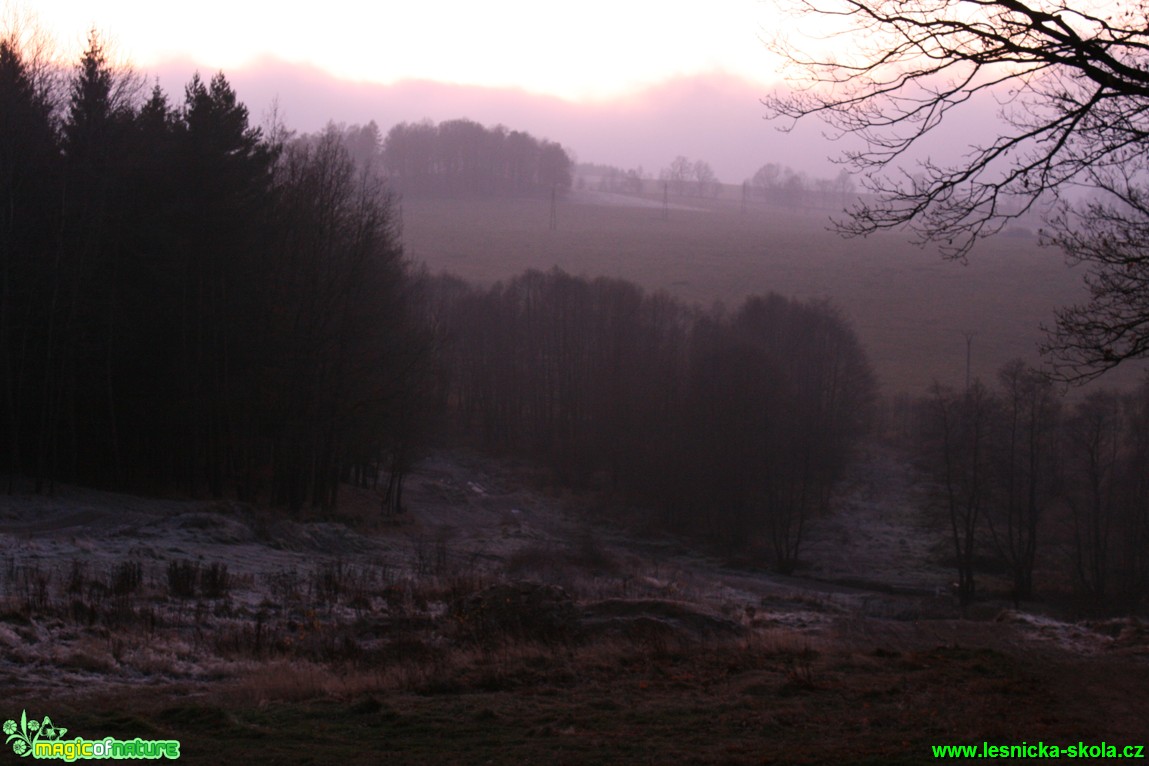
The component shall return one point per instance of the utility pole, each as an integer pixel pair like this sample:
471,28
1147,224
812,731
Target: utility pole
665,200
968,356
554,210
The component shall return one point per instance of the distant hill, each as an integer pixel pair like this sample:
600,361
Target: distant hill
463,158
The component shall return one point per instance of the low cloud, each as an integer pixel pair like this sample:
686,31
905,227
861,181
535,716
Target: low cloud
717,118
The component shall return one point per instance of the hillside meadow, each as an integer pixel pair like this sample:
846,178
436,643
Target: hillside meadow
911,308
494,625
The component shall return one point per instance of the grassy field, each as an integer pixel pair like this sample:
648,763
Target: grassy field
751,703
357,641
911,308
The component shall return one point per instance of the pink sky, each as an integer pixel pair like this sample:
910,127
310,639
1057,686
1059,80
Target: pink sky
624,83
716,118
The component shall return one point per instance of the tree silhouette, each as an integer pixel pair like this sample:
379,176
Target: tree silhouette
734,426
463,158
1025,454
1093,454
93,269
29,223
183,305
958,449
1073,82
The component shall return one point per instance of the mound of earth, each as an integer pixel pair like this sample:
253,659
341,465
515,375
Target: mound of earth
630,618
519,610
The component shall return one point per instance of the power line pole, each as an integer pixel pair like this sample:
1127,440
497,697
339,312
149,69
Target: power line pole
968,356
554,210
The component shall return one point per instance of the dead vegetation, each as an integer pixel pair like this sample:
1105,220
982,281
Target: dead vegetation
466,633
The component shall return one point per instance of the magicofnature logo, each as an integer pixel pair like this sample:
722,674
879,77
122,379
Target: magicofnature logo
45,740
31,732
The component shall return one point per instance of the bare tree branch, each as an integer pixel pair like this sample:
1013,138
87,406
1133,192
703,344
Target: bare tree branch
1072,85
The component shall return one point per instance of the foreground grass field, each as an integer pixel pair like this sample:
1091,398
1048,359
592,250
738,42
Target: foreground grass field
493,626
912,310
747,703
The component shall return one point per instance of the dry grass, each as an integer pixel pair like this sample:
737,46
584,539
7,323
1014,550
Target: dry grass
328,683
358,660
421,666
773,698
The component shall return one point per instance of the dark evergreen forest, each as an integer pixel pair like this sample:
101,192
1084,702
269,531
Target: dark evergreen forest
186,302
191,304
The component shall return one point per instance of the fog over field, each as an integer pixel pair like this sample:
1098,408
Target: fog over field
717,116
911,308
1002,298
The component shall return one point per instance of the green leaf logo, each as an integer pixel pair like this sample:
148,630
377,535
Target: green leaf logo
28,733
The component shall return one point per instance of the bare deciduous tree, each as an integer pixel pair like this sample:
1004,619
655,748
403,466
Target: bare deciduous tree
1073,84
959,427
1025,457
678,175
1135,517
707,183
1093,450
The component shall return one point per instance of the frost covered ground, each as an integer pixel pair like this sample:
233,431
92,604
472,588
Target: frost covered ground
100,590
